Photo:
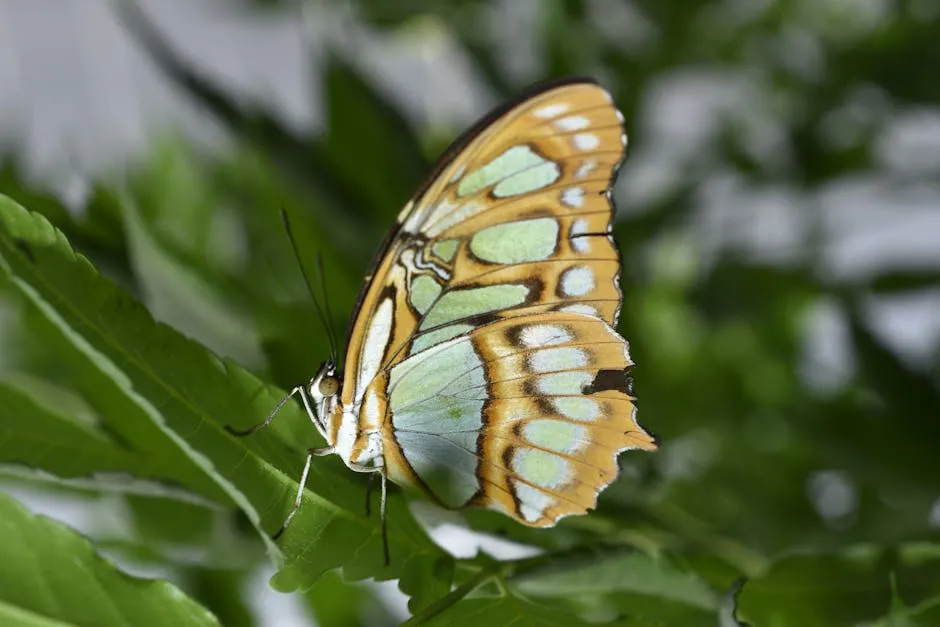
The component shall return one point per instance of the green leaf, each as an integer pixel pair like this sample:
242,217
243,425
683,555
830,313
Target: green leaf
223,592
367,134
616,571
303,160
178,295
94,228
612,581
924,614
126,418
425,581
728,611
212,228
59,443
840,589
174,522
191,395
333,601
907,391
11,615
896,397
50,575
911,280
505,610
41,437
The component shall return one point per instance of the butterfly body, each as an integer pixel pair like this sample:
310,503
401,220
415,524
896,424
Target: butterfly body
483,364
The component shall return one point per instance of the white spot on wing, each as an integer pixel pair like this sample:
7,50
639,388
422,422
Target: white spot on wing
442,221
533,502
458,173
541,468
550,111
581,308
538,335
563,383
373,348
556,435
573,197
586,141
585,168
579,408
560,358
579,242
370,410
577,281
571,123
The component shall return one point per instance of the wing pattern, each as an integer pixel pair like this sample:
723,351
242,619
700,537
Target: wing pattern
525,416
510,236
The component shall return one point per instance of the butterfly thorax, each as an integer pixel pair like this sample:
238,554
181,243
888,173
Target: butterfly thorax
352,427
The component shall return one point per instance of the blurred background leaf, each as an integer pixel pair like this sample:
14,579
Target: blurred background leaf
72,574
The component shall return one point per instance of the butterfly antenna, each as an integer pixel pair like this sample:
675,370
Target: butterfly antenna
316,303
325,293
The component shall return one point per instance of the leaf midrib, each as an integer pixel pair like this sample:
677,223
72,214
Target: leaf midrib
83,266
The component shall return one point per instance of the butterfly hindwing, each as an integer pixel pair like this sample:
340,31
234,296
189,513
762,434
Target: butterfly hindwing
525,416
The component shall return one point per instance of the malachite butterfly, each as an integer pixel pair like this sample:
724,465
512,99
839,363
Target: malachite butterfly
482,365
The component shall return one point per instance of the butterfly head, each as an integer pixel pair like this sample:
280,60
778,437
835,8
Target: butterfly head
324,389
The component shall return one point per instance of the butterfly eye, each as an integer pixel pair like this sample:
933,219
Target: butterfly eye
329,386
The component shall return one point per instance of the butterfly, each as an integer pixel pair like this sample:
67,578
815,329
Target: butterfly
483,367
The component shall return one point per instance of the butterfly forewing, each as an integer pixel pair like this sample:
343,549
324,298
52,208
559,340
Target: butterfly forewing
512,232
529,187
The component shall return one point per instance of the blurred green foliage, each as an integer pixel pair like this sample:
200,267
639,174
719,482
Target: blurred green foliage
824,498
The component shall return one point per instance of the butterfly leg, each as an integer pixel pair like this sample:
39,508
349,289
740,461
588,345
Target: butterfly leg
388,558
369,487
378,468
261,425
311,453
